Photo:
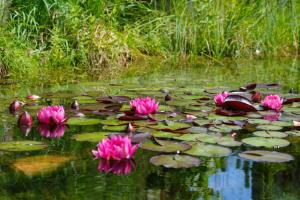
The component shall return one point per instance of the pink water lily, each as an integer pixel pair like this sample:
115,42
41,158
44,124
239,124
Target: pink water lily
273,102
144,106
54,131
119,167
115,148
273,117
220,98
51,115
25,119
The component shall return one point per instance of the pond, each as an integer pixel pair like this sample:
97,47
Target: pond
57,163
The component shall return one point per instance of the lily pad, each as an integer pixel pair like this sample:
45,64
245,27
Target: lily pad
170,126
266,156
269,127
163,134
113,122
208,150
175,161
165,146
36,165
293,132
270,134
266,142
90,137
24,145
119,128
228,142
80,121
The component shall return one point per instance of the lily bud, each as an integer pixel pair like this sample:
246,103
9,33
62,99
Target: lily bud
33,97
168,97
25,119
15,105
75,105
256,97
25,130
130,128
190,117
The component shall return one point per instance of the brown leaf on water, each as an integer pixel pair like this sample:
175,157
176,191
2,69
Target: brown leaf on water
37,165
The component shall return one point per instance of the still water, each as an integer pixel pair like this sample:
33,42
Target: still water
72,173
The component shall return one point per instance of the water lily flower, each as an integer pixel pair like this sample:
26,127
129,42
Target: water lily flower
51,115
75,105
25,129
220,98
296,123
33,97
115,148
144,106
190,117
25,119
120,167
54,131
273,102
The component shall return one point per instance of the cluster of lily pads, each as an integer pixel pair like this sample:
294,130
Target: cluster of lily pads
184,126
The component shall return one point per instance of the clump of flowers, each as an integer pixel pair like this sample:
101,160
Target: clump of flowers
115,148
220,98
273,102
144,106
51,115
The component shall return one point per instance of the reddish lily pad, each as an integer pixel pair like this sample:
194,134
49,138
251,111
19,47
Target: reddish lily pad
239,103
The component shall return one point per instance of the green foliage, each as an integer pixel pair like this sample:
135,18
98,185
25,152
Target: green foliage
102,36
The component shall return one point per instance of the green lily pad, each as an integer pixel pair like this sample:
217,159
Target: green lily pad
85,99
90,137
208,150
175,161
269,127
228,142
221,117
113,122
266,156
24,145
165,146
258,121
163,134
170,126
270,134
119,128
293,132
79,121
266,142
282,123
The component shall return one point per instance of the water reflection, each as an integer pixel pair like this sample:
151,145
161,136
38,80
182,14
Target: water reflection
234,182
119,167
51,131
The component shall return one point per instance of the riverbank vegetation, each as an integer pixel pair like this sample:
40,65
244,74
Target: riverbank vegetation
100,37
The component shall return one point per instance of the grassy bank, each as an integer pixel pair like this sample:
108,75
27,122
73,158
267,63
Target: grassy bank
98,37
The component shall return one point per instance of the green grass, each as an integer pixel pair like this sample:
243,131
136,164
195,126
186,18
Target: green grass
103,36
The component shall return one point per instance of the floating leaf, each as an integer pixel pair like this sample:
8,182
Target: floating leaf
90,137
239,103
119,128
208,150
36,165
175,161
165,146
266,156
228,142
268,134
113,122
266,142
293,132
24,145
170,126
80,121
269,127
163,134
258,121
